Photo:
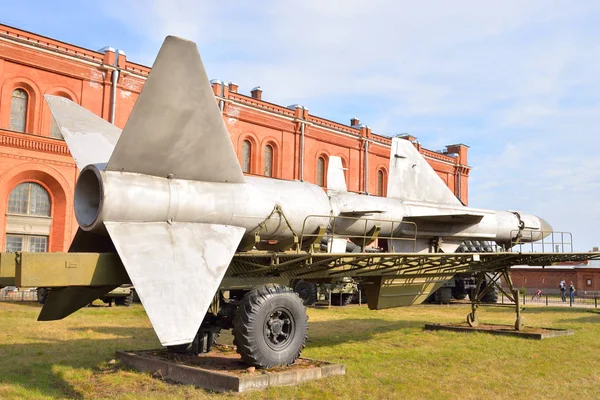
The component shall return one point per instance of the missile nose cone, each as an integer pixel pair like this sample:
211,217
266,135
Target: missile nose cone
545,227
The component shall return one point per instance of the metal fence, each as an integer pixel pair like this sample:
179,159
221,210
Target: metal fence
13,294
555,300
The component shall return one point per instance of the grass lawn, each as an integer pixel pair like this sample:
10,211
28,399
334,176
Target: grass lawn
387,355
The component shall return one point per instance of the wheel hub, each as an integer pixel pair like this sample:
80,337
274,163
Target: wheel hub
278,328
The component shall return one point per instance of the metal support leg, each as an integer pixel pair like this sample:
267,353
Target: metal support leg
516,298
472,318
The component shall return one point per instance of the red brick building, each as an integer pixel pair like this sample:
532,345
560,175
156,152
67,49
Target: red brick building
38,174
585,277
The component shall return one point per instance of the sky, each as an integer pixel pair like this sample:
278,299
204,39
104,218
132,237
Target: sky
516,81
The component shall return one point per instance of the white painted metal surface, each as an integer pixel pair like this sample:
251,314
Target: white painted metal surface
176,270
130,197
175,127
336,179
91,139
412,178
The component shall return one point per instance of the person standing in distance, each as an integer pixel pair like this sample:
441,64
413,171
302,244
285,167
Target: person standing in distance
563,288
572,291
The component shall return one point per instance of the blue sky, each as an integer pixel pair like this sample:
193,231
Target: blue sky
517,81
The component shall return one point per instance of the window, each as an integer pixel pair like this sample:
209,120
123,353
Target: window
380,183
268,160
55,130
18,110
29,199
30,243
246,152
321,171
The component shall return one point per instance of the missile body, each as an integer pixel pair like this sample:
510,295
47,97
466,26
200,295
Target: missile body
130,197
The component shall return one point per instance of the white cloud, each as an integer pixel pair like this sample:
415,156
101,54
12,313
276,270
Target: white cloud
515,80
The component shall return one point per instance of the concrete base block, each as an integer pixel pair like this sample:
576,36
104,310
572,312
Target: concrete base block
506,330
223,371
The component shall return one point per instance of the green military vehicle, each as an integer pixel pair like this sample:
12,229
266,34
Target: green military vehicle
461,285
342,292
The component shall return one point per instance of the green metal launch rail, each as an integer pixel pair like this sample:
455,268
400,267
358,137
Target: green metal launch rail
390,279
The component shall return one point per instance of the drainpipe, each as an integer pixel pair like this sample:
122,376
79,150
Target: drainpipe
366,166
113,88
302,148
222,100
458,184
222,95
302,123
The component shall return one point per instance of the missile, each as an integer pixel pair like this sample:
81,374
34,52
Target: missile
168,195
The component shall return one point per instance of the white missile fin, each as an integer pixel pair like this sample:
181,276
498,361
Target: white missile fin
176,128
91,139
412,178
176,270
336,179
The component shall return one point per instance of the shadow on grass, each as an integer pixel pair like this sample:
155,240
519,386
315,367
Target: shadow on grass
327,333
38,367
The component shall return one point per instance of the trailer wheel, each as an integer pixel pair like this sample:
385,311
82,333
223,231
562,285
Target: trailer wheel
270,327
344,301
307,292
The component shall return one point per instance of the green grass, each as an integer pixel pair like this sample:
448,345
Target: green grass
387,355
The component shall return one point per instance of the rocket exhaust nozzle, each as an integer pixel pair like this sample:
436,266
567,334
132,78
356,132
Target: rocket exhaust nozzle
89,194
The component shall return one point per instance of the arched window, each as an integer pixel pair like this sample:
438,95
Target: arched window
321,171
55,130
29,198
27,219
18,110
381,183
268,160
246,155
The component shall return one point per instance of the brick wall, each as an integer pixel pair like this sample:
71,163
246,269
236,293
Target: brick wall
41,65
547,279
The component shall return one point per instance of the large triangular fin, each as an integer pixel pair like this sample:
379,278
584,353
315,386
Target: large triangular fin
412,178
336,178
176,128
91,139
176,269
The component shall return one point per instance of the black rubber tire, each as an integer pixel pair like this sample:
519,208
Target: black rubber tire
443,295
491,297
124,301
460,296
307,292
42,295
363,295
195,347
135,298
344,301
265,315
